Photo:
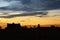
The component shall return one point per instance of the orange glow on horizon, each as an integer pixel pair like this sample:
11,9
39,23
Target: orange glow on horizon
30,20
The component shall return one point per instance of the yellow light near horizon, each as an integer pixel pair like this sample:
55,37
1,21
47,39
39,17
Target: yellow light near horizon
31,20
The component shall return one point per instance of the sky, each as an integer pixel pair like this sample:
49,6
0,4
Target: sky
30,12
29,5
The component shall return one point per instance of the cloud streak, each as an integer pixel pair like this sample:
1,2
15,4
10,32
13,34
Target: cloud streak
23,14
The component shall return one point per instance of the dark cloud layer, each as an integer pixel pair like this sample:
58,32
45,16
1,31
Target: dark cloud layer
30,5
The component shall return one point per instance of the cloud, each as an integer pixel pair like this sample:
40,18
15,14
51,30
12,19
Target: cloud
29,5
54,12
51,13
8,15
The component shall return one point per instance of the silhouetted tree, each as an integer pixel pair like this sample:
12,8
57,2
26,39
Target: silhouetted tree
0,29
38,25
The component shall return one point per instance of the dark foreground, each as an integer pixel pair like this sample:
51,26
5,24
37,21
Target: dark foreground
15,31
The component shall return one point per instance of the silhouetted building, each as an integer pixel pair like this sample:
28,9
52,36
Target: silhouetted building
22,32
13,27
53,26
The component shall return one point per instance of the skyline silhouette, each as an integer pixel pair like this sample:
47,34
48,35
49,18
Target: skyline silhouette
27,26
15,31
